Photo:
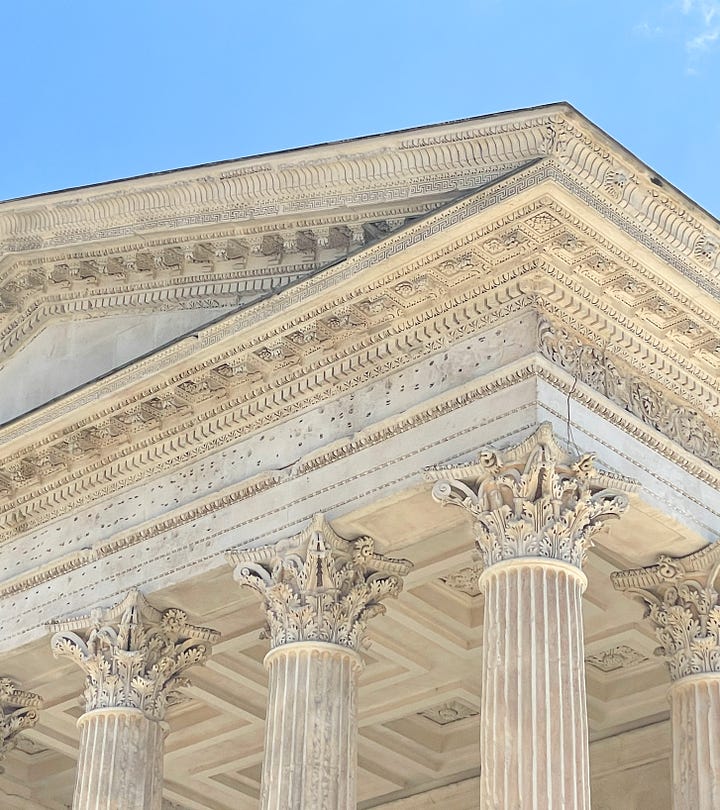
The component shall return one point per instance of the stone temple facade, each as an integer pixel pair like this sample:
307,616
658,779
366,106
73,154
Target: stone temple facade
379,474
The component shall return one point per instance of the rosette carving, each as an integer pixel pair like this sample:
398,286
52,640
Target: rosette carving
532,500
317,586
18,712
133,655
682,601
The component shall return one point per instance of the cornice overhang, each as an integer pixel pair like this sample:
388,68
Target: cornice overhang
221,236
421,162
526,242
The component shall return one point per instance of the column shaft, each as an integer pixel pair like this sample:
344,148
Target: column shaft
534,744
120,763
311,728
695,702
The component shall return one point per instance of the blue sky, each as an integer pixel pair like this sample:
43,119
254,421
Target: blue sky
94,91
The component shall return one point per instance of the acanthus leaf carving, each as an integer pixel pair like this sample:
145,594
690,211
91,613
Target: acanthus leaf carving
532,501
18,712
683,603
317,586
133,655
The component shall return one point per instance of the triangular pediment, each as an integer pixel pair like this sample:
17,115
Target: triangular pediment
620,284
219,237
73,319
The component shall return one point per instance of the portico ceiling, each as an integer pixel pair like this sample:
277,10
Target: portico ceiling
374,308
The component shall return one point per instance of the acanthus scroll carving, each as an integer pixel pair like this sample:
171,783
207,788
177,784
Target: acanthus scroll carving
317,586
18,712
532,501
133,655
683,603
649,403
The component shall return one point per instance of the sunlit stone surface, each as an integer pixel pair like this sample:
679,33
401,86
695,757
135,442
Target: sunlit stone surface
511,312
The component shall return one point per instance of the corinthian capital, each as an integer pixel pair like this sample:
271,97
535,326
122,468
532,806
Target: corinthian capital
319,587
18,712
532,500
684,605
133,655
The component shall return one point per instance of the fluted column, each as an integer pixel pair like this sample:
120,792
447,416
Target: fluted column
121,760
684,605
534,513
133,656
319,592
533,719
311,737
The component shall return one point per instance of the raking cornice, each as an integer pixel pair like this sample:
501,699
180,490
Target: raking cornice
396,166
423,288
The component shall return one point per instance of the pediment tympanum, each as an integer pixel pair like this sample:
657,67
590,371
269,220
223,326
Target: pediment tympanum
609,312
98,309
620,277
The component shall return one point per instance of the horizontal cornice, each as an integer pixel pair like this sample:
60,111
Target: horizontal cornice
510,248
534,367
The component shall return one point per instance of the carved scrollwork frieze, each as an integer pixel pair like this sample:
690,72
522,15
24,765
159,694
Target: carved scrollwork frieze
369,329
218,271
606,374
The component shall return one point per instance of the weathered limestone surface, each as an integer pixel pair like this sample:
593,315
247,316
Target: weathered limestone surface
632,770
133,656
387,304
684,605
533,720
311,728
534,512
319,592
18,712
696,747
121,761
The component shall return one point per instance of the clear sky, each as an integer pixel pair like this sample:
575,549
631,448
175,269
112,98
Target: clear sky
94,91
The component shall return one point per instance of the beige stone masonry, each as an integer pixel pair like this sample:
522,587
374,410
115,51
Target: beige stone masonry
533,718
319,592
683,604
133,656
534,511
121,761
18,712
311,743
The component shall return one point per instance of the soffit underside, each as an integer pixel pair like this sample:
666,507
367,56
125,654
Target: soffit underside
521,244
420,695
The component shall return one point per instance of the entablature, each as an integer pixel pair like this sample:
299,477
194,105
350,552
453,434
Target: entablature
521,246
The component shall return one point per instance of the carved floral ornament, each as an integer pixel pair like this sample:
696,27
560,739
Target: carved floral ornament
260,378
317,586
683,603
18,712
133,654
636,394
532,501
